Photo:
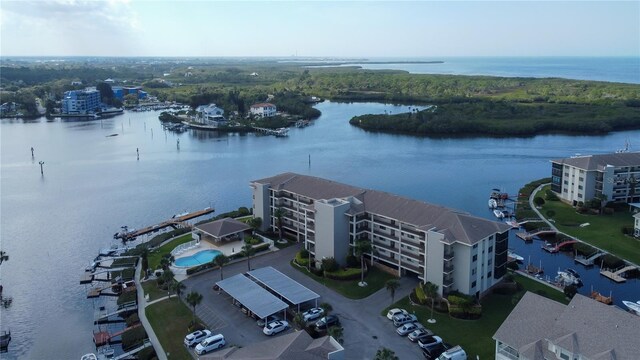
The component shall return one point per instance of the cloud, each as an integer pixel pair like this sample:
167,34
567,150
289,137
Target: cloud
66,24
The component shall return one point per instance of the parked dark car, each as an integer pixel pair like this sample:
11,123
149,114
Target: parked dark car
327,322
432,352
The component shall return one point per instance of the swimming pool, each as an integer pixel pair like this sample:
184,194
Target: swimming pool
199,258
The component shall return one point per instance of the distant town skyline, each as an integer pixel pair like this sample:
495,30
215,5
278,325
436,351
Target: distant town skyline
423,29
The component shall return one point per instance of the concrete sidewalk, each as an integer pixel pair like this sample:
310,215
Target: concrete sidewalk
142,304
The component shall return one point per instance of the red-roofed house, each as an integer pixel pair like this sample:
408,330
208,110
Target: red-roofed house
263,109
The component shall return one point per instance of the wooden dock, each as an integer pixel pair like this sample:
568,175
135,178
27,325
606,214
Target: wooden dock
103,337
526,236
617,275
175,222
130,306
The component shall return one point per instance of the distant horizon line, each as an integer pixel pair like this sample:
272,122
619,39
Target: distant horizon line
315,57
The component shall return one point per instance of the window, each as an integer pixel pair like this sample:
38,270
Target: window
580,187
489,274
475,246
489,262
581,179
490,249
473,272
473,284
475,257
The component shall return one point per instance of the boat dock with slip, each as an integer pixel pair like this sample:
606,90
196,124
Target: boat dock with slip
280,132
175,222
617,275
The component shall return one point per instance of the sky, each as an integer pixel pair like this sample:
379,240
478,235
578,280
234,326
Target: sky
422,29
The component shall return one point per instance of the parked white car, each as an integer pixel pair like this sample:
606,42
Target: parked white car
429,341
406,329
312,314
419,333
275,327
196,337
268,319
211,343
396,311
402,319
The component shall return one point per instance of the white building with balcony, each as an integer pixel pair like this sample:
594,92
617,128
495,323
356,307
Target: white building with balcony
263,109
210,115
450,248
582,178
542,329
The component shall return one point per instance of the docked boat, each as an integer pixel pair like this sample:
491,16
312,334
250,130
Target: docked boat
499,214
608,300
572,272
89,356
493,204
514,256
5,338
567,278
633,306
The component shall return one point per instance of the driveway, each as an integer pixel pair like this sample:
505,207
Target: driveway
365,330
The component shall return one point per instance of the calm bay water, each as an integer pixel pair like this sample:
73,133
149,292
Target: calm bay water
52,225
614,69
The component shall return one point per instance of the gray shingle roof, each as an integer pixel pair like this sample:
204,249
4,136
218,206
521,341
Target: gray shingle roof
585,326
598,162
297,345
456,225
223,227
531,320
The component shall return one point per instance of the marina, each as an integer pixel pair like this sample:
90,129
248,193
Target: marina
175,222
117,189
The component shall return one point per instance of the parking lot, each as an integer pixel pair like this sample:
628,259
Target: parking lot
365,330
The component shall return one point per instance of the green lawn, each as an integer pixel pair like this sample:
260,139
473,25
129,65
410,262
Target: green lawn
604,231
475,335
170,321
153,290
155,256
375,279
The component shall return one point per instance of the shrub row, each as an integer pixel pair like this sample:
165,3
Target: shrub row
345,274
420,295
301,259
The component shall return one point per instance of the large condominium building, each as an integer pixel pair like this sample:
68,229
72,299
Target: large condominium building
542,329
450,248
81,101
582,178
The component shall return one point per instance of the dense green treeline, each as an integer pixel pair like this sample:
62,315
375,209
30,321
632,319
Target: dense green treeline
503,118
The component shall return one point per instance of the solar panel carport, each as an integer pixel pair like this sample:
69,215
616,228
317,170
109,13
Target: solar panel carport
252,296
283,285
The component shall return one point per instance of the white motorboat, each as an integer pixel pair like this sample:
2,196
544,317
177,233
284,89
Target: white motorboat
567,278
514,256
493,204
499,214
633,306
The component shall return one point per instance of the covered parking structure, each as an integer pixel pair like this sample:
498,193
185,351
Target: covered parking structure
282,285
256,299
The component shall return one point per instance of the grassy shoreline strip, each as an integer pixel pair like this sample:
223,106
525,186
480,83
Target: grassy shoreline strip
170,321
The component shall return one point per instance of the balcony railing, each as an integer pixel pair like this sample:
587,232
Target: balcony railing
447,268
508,352
448,255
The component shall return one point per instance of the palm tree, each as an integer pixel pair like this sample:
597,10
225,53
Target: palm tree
385,354
392,285
248,251
255,223
179,287
167,277
336,332
431,290
279,213
144,255
194,299
220,261
299,320
3,257
166,261
362,247
326,307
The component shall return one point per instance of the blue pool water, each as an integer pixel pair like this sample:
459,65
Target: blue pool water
199,258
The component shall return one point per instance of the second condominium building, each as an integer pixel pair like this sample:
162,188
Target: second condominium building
450,248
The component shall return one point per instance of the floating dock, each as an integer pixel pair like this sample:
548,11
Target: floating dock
617,275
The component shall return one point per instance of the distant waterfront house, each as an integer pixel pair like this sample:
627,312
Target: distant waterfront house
8,107
263,109
76,83
582,178
81,101
450,248
210,115
109,81
542,329
222,230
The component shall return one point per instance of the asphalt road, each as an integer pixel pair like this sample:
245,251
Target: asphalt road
365,330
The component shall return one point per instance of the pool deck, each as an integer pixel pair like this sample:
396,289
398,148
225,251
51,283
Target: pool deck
225,248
